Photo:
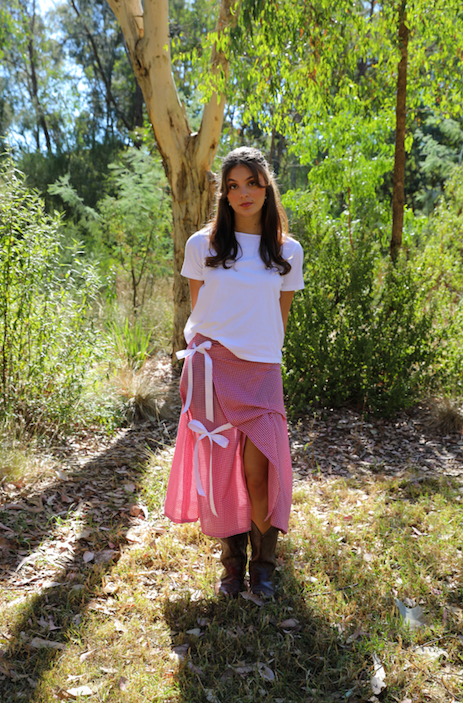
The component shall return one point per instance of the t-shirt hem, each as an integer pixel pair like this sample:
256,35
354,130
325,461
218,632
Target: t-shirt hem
240,355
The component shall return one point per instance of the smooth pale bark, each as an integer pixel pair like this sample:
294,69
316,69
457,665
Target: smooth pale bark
398,195
187,156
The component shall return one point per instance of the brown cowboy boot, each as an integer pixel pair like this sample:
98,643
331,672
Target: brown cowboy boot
263,560
234,557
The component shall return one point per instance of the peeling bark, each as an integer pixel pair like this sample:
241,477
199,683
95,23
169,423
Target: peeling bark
398,185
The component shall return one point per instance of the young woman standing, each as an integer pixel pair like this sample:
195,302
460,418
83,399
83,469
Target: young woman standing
232,465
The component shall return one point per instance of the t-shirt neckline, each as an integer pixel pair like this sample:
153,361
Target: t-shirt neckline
248,234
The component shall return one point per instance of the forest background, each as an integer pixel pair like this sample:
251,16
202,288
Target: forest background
88,213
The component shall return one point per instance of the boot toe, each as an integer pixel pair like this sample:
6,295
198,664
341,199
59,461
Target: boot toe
229,587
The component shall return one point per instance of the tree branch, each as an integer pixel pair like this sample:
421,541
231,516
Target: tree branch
146,32
212,120
101,69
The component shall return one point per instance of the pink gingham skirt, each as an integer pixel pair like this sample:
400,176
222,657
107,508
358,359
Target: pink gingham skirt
249,396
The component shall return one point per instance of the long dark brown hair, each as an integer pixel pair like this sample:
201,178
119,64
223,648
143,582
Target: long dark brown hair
273,217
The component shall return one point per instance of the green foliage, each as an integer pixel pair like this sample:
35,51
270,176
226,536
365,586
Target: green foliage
46,340
130,230
440,258
360,332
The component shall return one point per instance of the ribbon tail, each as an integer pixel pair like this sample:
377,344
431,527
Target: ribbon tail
189,393
199,486
211,492
209,387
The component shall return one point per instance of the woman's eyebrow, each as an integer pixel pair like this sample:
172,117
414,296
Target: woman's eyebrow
232,180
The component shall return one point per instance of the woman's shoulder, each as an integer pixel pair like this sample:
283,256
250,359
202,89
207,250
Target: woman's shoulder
202,235
291,247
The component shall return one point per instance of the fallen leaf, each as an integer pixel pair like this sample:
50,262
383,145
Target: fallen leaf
122,683
195,631
119,626
132,535
106,556
37,642
88,556
178,653
266,672
37,502
358,633
431,652
289,624
262,669
413,617
86,655
195,669
378,679
136,510
61,475
211,695
80,691
250,596
27,560
243,670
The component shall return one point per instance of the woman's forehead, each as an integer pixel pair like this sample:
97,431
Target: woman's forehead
239,172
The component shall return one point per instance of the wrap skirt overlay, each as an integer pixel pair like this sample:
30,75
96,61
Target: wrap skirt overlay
226,399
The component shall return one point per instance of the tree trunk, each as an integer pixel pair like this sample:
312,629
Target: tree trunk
398,196
186,156
191,209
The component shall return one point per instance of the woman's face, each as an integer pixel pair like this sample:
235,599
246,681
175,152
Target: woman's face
244,194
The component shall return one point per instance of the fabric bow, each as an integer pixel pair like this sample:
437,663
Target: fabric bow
208,382
213,436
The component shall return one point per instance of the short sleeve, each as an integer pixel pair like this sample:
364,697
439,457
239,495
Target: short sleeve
195,254
293,252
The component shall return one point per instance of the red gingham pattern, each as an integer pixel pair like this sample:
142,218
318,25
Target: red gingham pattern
249,395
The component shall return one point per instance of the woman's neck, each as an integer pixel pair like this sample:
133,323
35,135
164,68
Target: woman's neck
248,225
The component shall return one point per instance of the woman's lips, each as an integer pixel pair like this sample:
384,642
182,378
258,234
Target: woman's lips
245,204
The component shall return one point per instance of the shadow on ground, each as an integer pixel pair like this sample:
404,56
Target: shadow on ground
284,651
95,499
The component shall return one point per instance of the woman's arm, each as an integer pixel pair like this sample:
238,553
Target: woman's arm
194,290
286,298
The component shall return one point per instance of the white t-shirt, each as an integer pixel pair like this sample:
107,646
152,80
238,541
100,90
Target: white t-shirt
240,306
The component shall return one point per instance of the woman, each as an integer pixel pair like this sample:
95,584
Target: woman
232,465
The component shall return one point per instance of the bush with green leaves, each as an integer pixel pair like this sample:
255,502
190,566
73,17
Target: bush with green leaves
130,227
362,330
440,258
47,342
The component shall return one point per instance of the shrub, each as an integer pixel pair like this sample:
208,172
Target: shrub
46,338
361,331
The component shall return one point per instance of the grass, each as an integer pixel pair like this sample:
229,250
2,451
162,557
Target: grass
147,627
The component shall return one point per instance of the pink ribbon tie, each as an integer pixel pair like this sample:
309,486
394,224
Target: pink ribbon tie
213,436
208,382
